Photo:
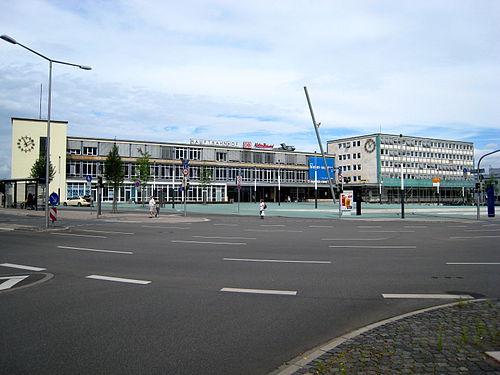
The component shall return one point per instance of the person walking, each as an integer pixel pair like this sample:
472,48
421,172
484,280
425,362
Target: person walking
262,209
152,207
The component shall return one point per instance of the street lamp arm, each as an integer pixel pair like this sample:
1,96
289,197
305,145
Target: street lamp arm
13,41
482,157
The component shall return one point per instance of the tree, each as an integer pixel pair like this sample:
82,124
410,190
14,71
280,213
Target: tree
38,170
205,179
114,173
143,171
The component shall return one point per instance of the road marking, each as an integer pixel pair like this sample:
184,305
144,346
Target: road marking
22,267
374,247
280,261
155,227
228,225
95,250
415,226
458,226
273,230
11,281
78,235
369,226
7,229
118,279
428,296
481,230
210,243
472,237
261,291
103,231
386,231
473,263
272,225
354,239
226,238
321,226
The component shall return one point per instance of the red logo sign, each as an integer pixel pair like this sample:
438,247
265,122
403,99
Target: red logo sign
262,145
247,144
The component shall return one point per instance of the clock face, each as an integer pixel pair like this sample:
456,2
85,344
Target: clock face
370,145
26,143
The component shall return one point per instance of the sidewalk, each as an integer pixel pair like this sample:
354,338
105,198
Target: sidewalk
451,340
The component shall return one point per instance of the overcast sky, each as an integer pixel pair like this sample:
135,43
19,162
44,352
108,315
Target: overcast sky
236,70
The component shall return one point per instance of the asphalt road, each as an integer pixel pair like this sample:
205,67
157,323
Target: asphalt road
186,313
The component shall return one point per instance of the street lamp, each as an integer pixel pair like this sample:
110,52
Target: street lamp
402,180
47,145
279,182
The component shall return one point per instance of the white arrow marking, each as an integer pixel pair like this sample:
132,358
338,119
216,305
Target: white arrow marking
11,281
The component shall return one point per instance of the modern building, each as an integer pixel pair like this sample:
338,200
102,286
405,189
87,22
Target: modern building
246,171
432,170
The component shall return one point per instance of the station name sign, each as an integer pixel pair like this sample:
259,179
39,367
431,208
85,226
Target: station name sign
208,142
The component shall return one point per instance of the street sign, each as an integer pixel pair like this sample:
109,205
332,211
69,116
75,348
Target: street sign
481,170
137,184
238,180
54,199
53,213
88,178
185,171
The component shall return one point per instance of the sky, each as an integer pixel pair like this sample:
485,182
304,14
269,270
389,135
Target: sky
170,71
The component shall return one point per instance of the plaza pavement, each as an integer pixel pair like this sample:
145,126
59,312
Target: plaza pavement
455,339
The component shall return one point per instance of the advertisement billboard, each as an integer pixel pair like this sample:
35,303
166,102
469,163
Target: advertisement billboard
317,164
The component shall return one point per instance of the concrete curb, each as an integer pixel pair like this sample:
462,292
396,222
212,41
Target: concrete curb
299,362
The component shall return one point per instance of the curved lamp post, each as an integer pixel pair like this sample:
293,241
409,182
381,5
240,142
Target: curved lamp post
47,146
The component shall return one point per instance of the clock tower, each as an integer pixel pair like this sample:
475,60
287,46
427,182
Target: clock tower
28,144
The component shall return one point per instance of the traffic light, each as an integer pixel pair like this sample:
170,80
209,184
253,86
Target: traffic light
99,182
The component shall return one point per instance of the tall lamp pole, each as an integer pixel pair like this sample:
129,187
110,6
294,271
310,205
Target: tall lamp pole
479,180
47,144
402,180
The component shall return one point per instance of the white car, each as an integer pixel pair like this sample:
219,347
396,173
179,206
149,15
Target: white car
78,201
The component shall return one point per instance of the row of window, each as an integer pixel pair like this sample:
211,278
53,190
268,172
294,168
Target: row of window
441,167
348,144
348,156
411,176
424,143
355,167
423,154
170,172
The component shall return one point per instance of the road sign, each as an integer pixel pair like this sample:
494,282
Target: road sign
238,180
481,170
53,213
137,184
54,199
88,178
185,171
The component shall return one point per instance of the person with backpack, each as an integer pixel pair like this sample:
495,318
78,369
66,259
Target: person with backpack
262,209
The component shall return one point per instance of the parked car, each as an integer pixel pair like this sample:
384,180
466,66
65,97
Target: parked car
78,201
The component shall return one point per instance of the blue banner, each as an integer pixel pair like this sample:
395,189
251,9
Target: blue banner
316,163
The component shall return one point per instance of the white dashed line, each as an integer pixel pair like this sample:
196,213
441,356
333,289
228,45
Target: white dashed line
103,231
374,247
77,235
226,238
428,296
22,267
472,263
118,279
209,242
95,250
261,291
280,261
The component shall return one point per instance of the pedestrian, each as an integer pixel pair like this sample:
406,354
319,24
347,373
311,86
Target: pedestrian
157,213
152,207
262,209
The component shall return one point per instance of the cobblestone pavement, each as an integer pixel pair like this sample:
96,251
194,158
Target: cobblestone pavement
448,341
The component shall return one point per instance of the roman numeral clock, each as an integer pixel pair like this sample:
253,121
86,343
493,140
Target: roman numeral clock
26,143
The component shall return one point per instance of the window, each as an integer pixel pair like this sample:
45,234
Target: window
359,167
74,151
221,156
354,156
90,151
